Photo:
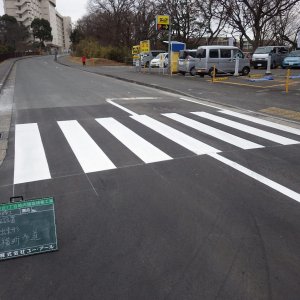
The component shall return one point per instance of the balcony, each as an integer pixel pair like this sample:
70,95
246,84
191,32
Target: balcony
22,10
21,3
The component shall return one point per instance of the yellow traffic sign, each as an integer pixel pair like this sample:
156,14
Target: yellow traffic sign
145,46
162,22
135,49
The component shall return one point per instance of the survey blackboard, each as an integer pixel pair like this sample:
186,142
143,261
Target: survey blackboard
27,228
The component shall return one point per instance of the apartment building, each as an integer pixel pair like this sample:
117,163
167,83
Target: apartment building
27,10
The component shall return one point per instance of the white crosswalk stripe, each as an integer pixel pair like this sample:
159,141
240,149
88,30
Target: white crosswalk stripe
30,159
248,129
219,134
176,136
31,162
262,122
139,146
88,153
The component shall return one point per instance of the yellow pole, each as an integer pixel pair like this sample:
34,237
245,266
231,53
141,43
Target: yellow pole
214,74
288,74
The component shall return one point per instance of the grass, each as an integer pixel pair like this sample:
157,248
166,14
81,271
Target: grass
96,61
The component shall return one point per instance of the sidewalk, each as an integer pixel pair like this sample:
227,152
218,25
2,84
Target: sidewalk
236,94
5,116
5,68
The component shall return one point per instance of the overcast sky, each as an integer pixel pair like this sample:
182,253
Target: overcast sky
72,8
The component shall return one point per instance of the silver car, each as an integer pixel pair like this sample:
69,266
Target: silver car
187,61
222,58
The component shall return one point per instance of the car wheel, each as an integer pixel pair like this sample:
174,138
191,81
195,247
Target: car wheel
245,71
193,71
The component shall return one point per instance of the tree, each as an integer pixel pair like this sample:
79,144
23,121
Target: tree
12,34
253,18
76,36
41,30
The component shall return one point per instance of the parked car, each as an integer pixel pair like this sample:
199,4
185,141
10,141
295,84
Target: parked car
261,55
223,58
146,57
187,61
292,60
161,58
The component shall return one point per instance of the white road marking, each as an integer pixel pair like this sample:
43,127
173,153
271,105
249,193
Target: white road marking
88,153
175,135
264,180
248,129
200,103
219,134
132,113
30,158
111,101
139,146
261,122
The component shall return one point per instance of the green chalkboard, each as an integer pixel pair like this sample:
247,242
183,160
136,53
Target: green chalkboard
27,228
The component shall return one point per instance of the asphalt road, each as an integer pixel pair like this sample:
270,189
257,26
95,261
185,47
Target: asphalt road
157,197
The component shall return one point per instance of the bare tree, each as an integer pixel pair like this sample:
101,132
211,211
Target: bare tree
252,18
212,19
113,19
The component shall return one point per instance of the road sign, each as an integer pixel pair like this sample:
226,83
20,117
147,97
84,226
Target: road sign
162,22
145,46
27,228
135,50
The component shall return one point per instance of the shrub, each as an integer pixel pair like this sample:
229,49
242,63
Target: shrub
91,48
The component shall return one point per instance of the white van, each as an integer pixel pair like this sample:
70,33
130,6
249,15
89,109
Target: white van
261,54
223,58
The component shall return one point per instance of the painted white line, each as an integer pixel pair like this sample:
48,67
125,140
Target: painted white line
219,134
198,102
264,180
139,146
175,135
248,129
121,107
30,158
88,153
261,122
133,98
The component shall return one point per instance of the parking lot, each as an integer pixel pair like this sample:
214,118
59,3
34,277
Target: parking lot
257,79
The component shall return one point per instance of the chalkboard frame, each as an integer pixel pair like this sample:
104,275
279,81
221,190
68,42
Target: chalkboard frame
32,207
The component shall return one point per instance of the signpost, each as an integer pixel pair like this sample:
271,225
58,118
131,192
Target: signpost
135,55
27,228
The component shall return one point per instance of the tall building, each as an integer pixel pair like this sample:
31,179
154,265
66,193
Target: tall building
27,10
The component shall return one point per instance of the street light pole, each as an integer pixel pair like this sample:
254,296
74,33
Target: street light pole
169,47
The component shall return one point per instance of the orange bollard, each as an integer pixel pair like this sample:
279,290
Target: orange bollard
288,74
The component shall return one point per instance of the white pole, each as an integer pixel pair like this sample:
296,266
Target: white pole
268,72
237,64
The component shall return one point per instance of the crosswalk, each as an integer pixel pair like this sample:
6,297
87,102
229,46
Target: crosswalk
196,132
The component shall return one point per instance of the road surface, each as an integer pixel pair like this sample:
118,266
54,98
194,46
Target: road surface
157,196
